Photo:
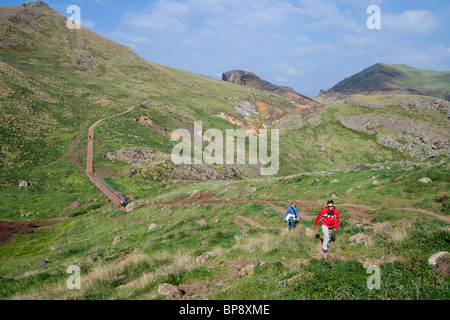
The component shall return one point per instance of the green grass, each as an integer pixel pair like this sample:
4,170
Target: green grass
46,103
86,240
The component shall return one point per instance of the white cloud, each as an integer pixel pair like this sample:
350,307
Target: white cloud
413,22
162,16
295,42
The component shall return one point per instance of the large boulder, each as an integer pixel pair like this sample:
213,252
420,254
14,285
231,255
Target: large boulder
24,184
425,180
256,262
116,240
359,238
441,262
359,167
170,291
134,205
247,271
43,262
111,156
202,259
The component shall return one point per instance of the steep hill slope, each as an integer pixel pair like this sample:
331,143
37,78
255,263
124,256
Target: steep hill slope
382,79
209,231
57,82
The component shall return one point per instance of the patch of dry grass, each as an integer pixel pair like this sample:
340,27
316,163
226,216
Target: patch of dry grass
179,261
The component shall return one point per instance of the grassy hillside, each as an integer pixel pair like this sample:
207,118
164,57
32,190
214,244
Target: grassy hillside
383,78
428,83
402,218
55,83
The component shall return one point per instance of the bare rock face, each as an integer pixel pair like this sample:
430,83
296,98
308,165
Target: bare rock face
249,79
246,108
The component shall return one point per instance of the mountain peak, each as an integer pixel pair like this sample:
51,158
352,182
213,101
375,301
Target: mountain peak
36,4
383,79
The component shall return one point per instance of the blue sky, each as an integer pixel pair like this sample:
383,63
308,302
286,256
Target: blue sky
307,45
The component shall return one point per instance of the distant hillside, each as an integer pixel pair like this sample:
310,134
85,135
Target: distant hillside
249,79
382,79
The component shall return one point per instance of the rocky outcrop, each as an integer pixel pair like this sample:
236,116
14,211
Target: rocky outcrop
25,184
116,240
134,205
245,108
441,262
249,79
418,139
84,62
409,102
247,271
130,155
170,291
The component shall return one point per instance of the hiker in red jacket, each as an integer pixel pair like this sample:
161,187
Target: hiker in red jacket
330,220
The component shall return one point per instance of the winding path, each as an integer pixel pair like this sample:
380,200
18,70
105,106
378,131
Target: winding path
101,185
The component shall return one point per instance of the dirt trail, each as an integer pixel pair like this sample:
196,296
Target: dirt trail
106,190
440,217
